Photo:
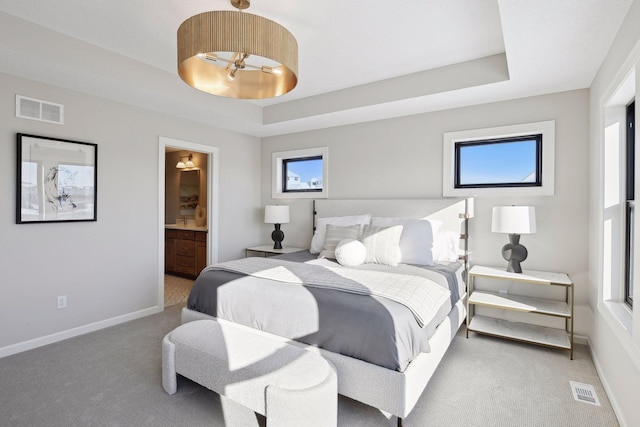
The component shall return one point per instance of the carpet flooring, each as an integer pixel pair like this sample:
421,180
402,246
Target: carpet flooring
112,377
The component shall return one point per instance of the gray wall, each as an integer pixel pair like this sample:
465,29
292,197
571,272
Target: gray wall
402,158
108,269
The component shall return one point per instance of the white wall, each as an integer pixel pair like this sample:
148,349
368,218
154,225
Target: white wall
108,269
616,349
402,158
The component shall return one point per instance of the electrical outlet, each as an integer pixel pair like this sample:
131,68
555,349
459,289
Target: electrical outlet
504,291
62,301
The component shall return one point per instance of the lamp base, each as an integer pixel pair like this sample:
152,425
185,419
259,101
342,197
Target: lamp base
514,253
278,236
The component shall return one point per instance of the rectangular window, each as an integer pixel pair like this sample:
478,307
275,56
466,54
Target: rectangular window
513,160
300,174
630,204
499,162
303,174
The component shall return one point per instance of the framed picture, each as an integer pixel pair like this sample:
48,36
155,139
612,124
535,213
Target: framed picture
56,180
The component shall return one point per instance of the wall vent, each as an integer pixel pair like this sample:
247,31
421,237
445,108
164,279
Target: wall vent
37,109
584,393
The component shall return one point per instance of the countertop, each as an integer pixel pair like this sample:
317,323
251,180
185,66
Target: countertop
191,227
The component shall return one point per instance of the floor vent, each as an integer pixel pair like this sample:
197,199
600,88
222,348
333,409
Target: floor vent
584,393
37,109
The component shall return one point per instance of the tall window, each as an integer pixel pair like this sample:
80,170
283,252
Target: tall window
630,204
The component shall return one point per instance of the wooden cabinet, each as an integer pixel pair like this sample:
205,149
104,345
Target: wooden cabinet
170,238
201,251
185,252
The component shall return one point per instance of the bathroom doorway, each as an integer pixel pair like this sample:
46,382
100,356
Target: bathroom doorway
187,215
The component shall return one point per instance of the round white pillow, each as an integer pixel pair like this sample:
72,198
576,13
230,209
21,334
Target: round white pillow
350,252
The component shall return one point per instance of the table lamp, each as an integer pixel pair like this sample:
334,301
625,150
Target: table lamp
276,214
514,220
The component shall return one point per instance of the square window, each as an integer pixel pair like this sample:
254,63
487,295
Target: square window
300,173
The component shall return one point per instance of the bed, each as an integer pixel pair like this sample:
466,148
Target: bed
386,338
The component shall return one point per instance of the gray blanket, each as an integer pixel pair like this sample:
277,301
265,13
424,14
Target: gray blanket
419,294
366,327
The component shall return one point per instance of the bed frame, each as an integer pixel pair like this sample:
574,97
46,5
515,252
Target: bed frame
361,380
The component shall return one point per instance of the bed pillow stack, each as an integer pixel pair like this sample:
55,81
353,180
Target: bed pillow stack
386,240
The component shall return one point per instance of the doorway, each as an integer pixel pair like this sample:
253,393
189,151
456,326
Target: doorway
211,181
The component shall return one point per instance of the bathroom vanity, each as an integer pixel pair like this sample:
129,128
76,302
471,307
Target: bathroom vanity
185,250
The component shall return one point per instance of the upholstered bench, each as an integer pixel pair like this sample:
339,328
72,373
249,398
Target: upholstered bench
287,384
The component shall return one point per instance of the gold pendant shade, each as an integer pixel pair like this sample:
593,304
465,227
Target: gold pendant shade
237,55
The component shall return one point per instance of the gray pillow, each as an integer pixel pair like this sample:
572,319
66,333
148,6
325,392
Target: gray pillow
336,234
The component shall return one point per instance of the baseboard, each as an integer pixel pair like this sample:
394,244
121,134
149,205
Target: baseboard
74,332
605,385
581,339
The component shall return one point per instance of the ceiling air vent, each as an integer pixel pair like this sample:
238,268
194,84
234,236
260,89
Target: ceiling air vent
37,109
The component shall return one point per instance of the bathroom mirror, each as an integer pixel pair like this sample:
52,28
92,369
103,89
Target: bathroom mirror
189,191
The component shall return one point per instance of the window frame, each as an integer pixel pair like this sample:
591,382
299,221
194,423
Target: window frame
547,167
506,140
278,172
285,168
629,228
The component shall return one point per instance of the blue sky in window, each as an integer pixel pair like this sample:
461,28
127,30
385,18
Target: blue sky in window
307,169
498,163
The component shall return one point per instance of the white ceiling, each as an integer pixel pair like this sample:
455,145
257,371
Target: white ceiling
359,60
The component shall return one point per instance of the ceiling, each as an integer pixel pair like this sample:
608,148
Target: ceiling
359,60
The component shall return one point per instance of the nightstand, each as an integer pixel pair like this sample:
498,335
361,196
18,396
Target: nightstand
519,331
267,251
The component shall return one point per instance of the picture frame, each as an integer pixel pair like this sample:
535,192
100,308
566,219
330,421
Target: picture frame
57,180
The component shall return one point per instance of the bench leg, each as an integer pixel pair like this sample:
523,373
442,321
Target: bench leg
169,379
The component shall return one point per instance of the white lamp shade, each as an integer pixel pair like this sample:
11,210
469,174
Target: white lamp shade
513,219
276,214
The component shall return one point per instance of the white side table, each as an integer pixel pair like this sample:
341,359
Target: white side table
519,331
267,251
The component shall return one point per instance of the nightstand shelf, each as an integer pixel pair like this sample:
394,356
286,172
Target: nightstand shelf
520,331
520,303
266,251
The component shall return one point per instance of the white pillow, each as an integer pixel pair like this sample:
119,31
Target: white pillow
317,242
336,234
416,241
445,246
350,252
382,244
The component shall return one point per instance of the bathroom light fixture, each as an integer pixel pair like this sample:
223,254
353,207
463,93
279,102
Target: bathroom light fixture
514,220
237,55
188,164
276,214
